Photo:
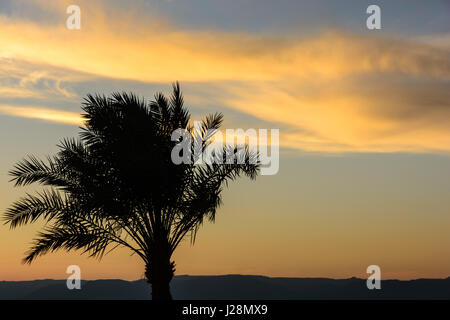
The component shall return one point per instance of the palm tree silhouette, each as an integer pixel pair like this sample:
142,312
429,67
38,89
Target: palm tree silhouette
116,184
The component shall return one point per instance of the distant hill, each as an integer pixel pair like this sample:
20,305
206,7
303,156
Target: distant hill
238,287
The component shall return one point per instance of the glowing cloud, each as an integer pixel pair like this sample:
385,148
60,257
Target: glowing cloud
43,114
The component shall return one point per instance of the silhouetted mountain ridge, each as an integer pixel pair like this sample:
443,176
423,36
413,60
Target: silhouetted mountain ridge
245,287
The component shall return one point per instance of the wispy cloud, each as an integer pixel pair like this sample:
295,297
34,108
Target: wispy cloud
45,114
23,79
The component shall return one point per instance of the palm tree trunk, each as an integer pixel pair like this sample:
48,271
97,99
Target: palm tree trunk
159,272
161,291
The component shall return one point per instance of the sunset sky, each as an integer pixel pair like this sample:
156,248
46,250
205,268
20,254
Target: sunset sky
364,120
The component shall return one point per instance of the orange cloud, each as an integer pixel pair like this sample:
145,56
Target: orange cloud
45,114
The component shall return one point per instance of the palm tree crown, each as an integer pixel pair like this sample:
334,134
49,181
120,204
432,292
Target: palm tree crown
116,185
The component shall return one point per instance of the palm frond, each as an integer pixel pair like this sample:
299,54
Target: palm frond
31,170
46,204
75,237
